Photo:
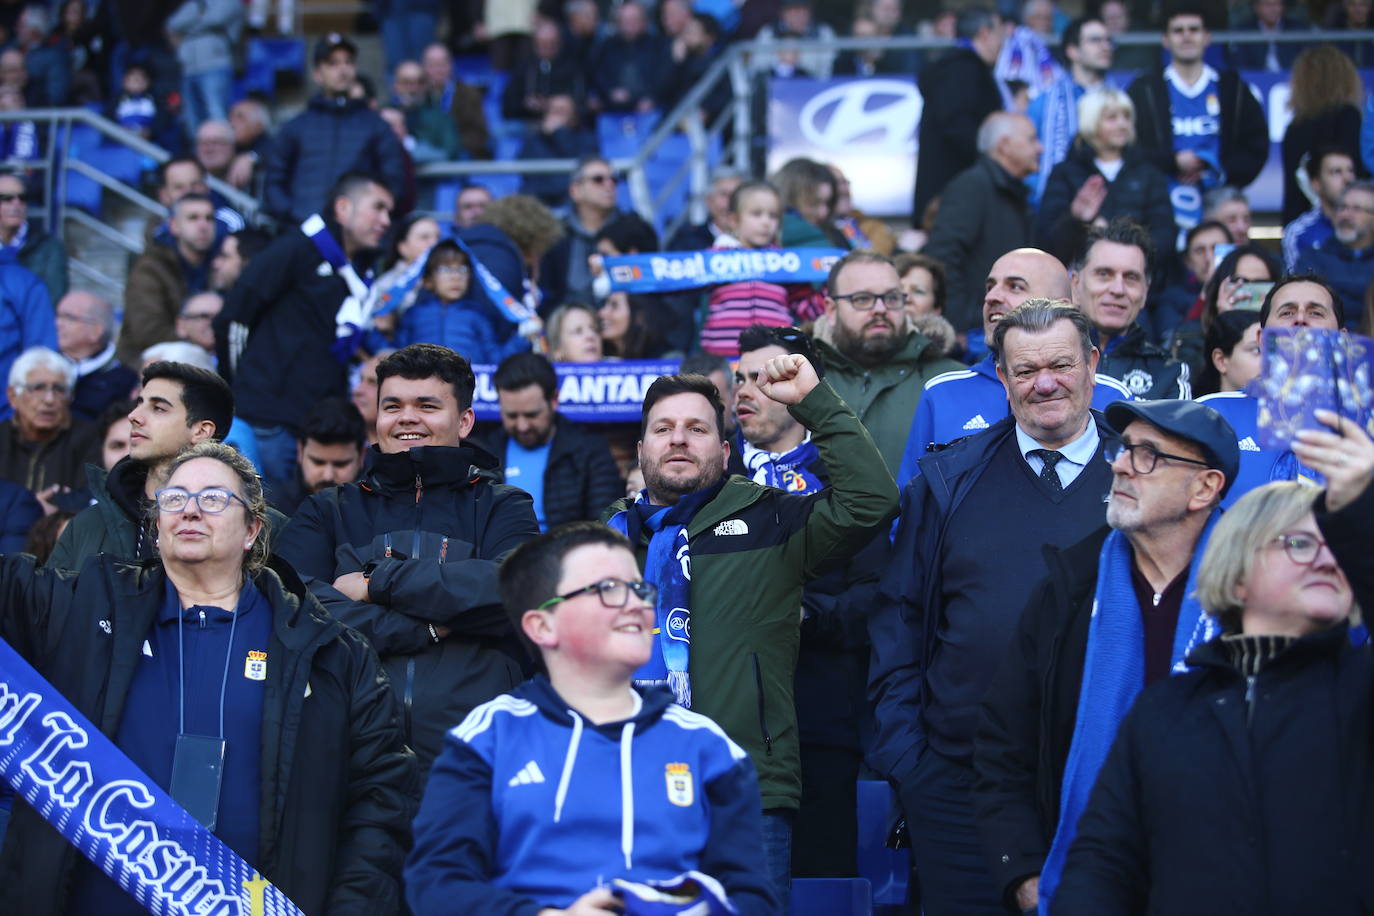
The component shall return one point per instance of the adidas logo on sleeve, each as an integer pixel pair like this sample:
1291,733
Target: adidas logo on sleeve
977,423
1248,444
528,775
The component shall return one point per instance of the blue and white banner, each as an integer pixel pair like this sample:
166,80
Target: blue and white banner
669,271
514,308
105,806
610,392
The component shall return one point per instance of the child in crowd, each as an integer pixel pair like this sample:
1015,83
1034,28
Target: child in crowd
755,217
136,109
445,314
578,789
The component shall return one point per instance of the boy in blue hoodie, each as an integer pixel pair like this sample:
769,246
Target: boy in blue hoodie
557,797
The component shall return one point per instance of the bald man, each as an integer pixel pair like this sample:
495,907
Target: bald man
85,335
967,401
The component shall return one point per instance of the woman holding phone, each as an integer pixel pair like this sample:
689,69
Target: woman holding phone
1240,281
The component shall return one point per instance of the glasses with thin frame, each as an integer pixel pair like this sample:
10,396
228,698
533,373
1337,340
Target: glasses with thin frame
612,592
211,500
1144,457
892,300
1302,548
43,389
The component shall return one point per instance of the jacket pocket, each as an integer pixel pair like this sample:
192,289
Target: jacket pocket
763,708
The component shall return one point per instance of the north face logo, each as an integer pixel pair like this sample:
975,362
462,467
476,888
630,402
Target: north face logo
731,526
1248,444
977,423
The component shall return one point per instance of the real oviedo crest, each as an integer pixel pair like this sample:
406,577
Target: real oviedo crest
679,777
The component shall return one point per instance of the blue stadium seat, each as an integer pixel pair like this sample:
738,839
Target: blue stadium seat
831,897
446,195
887,869
266,58
502,185
83,193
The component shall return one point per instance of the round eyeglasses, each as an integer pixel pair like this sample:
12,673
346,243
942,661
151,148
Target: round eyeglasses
1302,549
612,592
211,500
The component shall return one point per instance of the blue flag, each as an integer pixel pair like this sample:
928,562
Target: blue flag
117,817
669,271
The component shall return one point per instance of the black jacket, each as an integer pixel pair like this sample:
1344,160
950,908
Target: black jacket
431,531
959,91
312,150
987,216
1339,128
1145,368
339,787
274,333
1244,129
1139,191
580,479
1028,717
1224,794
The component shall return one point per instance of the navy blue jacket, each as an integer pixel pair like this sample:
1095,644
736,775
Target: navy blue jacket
529,805
18,511
1348,271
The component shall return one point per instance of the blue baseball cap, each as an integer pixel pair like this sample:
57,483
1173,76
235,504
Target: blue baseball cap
1197,423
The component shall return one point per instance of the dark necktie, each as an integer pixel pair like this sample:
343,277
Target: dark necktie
1047,471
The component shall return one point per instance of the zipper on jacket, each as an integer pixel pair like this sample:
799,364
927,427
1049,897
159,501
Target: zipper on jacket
1249,699
419,489
763,719
409,694
202,620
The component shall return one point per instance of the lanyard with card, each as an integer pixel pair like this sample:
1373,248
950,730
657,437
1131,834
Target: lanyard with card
198,762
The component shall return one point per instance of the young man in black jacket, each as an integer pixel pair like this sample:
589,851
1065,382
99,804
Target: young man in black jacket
567,469
408,554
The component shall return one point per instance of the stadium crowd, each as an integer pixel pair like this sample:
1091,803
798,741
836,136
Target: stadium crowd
988,511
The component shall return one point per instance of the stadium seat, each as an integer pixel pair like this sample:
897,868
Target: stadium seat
888,870
831,897
266,58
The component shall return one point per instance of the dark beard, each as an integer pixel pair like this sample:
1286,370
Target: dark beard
867,352
659,486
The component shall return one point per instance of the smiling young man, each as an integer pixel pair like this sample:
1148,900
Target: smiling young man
965,551
1171,466
730,558
500,830
408,555
178,406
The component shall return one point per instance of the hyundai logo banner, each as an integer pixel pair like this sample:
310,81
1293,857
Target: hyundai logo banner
609,392
868,127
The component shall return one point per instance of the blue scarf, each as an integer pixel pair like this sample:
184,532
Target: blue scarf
352,319
668,564
784,470
1058,126
1113,674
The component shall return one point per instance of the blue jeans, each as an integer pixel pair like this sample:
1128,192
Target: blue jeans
945,849
405,35
777,851
205,97
276,456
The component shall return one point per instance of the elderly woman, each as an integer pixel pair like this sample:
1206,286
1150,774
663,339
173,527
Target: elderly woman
209,649
1244,785
1102,177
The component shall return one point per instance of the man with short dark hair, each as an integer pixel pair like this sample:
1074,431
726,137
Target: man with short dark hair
564,273
470,206
1200,127
1087,48
329,452
1296,300
164,275
1346,259
276,332
235,251
184,175
335,135
1330,170
960,91
567,469
26,241
85,335
1110,286
408,555
965,549
1137,619
195,321
989,215
1230,207
876,361
178,406
730,558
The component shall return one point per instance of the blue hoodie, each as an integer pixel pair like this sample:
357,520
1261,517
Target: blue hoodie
529,806
968,401
1258,466
463,326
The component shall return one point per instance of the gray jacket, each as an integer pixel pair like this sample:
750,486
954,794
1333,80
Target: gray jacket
209,32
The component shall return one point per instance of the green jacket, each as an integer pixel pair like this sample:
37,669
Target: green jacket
885,396
111,523
752,549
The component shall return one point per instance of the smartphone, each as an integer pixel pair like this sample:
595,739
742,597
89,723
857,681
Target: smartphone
1251,296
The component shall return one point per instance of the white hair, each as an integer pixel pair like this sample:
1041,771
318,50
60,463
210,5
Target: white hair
41,358
995,127
178,351
1098,102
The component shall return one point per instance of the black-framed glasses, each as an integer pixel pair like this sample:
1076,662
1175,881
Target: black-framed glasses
1144,457
599,179
1302,548
11,198
612,592
211,500
892,299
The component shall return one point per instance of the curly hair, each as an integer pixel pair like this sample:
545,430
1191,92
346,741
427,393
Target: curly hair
255,557
1324,79
531,225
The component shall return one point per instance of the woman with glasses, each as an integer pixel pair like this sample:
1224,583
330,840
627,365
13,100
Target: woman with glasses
450,311
1246,785
226,682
